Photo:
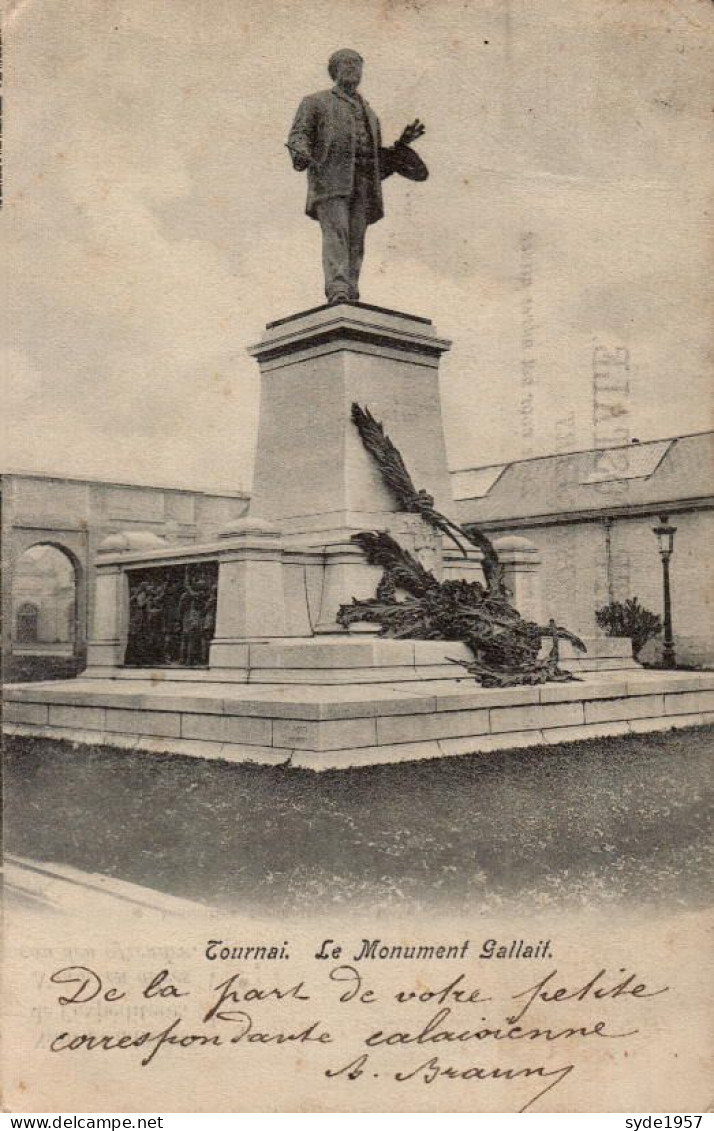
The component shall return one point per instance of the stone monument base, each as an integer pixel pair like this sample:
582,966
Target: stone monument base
354,723
360,657
259,608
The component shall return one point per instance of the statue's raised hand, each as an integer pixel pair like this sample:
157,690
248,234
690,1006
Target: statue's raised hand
411,133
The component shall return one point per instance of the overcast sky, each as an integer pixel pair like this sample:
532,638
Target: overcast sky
153,222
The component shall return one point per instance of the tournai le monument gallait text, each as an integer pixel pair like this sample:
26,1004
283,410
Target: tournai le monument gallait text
346,619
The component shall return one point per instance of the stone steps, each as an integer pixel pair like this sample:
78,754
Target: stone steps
342,659
328,726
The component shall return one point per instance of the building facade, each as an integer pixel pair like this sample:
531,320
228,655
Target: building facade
591,516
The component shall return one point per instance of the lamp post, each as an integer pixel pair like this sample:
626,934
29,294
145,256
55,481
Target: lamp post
665,538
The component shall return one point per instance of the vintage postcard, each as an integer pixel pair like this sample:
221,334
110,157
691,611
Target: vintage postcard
357,494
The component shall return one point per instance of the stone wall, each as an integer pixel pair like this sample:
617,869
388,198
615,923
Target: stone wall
75,516
576,577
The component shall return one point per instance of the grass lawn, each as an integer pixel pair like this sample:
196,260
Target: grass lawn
596,822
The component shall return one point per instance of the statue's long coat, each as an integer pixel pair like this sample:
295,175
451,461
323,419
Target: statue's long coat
324,129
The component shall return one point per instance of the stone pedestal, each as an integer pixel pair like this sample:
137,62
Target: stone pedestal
313,476
521,561
251,599
345,572
108,637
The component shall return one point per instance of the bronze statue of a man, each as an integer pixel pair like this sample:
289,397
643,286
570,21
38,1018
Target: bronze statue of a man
336,137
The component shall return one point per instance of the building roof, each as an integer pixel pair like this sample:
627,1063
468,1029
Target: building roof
637,478
12,473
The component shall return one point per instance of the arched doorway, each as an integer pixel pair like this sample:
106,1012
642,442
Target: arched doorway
45,610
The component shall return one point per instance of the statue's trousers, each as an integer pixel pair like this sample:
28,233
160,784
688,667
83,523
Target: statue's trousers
344,222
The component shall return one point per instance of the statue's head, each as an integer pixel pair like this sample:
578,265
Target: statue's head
345,67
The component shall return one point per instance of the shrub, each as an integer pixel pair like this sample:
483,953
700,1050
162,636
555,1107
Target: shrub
629,619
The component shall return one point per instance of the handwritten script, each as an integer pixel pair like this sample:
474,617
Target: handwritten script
355,1027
